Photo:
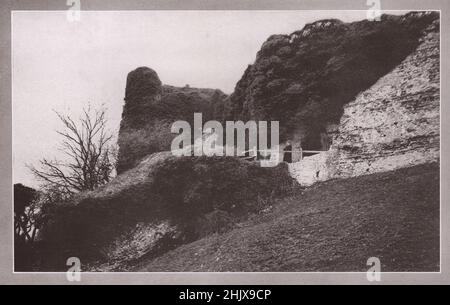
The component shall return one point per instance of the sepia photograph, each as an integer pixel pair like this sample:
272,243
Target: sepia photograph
202,141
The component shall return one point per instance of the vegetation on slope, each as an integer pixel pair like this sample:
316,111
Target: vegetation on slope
197,196
333,226
301,80
151,108
304,79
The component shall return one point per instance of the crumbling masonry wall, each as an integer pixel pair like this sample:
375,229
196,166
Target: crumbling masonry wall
393,124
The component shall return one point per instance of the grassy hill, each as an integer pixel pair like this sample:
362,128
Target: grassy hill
162,203
333,226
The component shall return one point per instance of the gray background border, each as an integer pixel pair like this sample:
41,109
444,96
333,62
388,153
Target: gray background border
6,273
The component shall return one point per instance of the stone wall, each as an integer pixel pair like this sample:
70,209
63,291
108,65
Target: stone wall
151,108
303,80
393,124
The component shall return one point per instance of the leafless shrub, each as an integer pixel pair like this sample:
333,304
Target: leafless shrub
90,154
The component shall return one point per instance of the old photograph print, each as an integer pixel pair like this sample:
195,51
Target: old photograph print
226,141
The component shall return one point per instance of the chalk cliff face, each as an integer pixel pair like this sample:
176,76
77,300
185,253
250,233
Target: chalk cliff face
151,108
393,124
304,79
396,122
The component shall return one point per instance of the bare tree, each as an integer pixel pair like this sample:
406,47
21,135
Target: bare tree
90,155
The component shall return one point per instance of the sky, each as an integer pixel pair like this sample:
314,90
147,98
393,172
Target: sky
63,66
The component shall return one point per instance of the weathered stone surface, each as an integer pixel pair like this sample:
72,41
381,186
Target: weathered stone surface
304,79
151,108
311,169
393,124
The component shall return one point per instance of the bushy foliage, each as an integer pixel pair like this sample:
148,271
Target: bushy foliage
198,195
137,143
304,79
150,110
26,223
23,197
204,184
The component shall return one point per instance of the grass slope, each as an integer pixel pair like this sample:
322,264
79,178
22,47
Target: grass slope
333,226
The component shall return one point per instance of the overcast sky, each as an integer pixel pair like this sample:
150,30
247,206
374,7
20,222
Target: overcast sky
61,65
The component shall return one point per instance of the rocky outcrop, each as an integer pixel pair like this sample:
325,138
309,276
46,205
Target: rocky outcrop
151,108
396,122
393,124
304,79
